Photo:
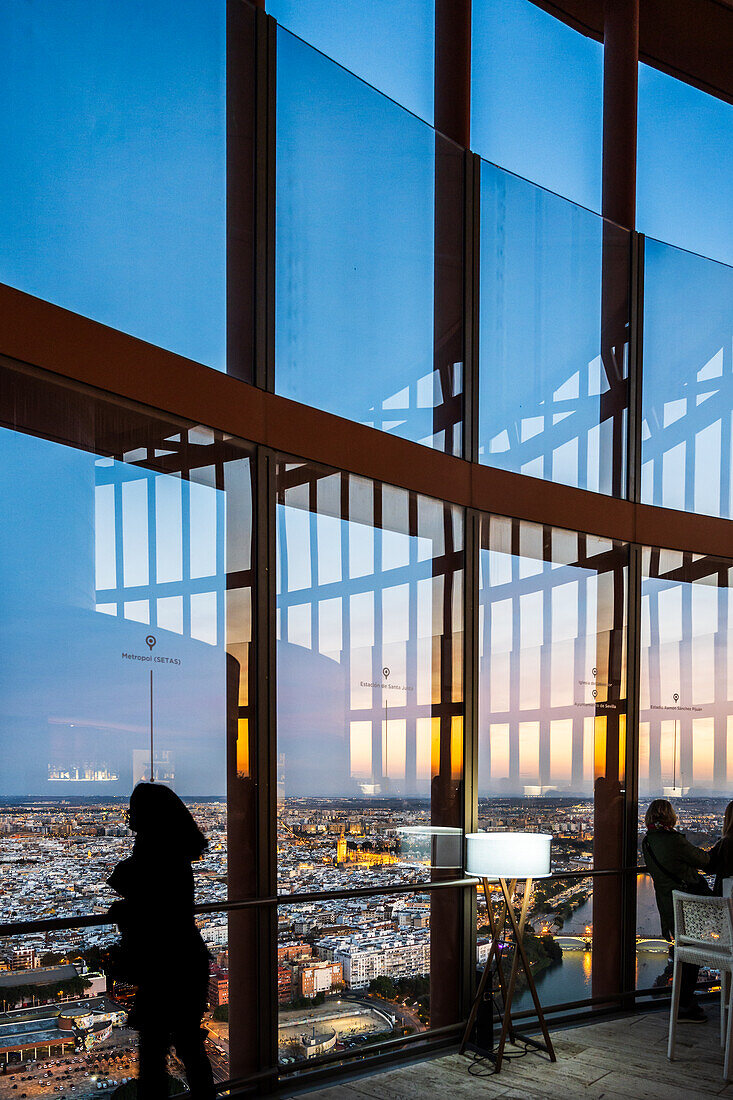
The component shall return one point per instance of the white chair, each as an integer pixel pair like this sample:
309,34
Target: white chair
703,935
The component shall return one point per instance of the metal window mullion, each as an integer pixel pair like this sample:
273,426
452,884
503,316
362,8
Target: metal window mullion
631,788
472,549
636,355
471,261
265,711
265,185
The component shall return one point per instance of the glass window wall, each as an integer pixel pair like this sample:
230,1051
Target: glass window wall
370,692
552,729
684,165
351,974
686,715
368,311
113,196
553,337
686,448
126,606
536,98
390,46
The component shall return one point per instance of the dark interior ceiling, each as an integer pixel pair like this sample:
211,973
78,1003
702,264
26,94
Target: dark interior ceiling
689,39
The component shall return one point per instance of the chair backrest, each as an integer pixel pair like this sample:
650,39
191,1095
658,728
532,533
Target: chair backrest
703,921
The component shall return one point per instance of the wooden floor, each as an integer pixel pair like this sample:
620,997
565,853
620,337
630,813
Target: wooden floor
623,1059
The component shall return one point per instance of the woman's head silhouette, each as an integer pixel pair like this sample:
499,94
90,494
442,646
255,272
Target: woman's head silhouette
161,820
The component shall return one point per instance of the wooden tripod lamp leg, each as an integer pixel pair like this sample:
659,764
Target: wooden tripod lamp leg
518,934
498,934
496,926
484,977
507,1021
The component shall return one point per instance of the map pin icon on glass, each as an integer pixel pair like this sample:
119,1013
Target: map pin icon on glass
594,693
385,673
151,642
676,697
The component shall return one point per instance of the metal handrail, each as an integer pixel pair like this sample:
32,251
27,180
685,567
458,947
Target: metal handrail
54,924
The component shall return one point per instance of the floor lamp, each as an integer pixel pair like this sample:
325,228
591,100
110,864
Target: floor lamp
506,858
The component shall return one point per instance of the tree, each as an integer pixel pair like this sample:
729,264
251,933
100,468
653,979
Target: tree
221,1013
51,958
383,987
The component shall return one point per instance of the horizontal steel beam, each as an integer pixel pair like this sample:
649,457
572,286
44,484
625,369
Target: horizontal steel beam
54,339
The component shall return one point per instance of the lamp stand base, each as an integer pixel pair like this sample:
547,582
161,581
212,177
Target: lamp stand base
508,1031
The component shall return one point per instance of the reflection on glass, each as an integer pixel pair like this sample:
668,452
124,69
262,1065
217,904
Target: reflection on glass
686,712
126,619
553,336
113,200
684,165
370,710
551,679
352,973
361,330
390,46
552,715
536,98
653,959
686,715
687,395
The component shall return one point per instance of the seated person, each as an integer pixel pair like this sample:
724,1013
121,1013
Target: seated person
721,855
673,864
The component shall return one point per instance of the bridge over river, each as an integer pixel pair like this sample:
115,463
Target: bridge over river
584,943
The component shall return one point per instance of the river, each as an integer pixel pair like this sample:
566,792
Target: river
571,980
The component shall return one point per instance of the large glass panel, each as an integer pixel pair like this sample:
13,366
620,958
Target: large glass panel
553,337
558,939
64,1013
352,974
125,602
391,46
536,98
685,716
684,165
552,722
686,712
113,190
125,599
63,1025
687,392
368,307
370,694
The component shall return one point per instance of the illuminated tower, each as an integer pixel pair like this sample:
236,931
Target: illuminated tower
341,848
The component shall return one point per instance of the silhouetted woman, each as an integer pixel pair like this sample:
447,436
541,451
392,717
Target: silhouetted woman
721,855
162,950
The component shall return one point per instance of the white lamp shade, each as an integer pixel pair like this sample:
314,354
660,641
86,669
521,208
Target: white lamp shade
508,855
435,845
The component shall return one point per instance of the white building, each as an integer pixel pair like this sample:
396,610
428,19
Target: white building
389,955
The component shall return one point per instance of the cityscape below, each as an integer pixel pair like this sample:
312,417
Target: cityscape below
350,971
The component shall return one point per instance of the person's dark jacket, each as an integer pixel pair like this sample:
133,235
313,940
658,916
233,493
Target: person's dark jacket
674,863
721,862
161,945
